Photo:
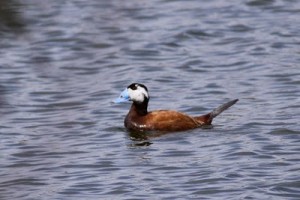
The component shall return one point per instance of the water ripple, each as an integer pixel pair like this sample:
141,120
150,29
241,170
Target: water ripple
63,63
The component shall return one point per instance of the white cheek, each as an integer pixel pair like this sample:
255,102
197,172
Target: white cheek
137,95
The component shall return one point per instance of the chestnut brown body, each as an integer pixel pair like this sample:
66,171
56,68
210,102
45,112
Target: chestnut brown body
168,120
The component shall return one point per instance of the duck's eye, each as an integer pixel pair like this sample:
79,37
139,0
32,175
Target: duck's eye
134,87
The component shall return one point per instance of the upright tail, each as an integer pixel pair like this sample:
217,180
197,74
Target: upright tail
207,119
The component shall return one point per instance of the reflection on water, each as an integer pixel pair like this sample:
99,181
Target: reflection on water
10,19
61,64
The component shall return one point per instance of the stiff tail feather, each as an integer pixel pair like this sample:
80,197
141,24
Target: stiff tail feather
207,119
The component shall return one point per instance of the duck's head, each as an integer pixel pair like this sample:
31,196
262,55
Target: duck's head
136,92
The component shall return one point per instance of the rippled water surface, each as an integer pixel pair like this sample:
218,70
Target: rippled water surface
63,62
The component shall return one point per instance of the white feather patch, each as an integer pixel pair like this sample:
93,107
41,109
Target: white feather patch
138,95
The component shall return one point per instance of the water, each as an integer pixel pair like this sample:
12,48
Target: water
62,62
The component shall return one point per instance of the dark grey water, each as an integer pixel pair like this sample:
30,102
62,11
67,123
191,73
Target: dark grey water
62,62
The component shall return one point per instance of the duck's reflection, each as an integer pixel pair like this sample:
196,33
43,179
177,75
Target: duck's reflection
10,18
143,138
139,138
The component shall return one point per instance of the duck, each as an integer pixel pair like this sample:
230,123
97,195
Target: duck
142,120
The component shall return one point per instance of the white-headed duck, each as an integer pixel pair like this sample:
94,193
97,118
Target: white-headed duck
139,119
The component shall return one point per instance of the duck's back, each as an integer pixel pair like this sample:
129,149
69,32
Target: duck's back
162,120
